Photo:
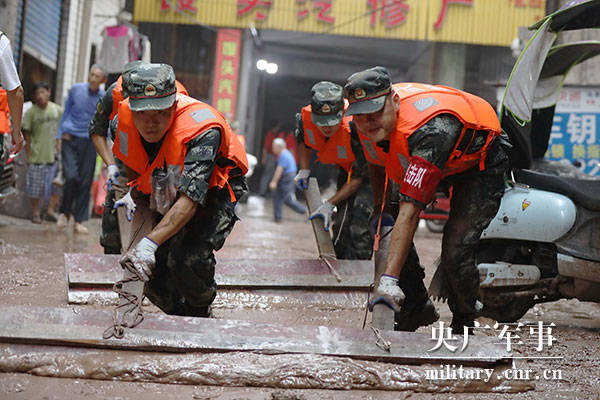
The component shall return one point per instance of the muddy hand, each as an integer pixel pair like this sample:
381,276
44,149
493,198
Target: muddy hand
302,179
129,204
324,211
142,258
388,292
112,175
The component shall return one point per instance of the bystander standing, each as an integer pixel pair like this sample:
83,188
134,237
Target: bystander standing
77,149
40,125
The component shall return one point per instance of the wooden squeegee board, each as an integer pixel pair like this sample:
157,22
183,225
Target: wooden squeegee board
82,327
99,270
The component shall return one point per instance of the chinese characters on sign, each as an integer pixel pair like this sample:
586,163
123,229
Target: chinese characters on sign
323,8
444,8
179,5
391,12
260,6
575,129
462,21
227,61
510,334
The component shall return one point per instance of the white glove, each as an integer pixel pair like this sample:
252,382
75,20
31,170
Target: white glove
324,211
389,293
112,175
140,260
302,178
129,204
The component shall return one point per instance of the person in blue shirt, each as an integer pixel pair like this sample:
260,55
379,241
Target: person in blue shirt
77,149
282,184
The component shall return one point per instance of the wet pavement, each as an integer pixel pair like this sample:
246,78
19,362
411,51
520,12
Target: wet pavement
32,273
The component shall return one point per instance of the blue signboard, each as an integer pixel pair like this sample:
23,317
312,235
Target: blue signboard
576,129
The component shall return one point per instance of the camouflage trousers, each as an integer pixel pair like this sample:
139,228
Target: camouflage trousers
351,237
110,237
475,201
182,281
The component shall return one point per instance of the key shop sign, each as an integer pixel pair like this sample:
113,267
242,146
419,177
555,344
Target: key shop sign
488,22
575,132
227,65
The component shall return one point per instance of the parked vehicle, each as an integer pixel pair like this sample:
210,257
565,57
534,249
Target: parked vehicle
544,242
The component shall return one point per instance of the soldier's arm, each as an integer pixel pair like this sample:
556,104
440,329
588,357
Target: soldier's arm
303,150
402,237
99,126
430,147
178,215
200,160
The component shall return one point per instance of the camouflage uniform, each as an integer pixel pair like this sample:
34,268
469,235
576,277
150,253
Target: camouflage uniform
475,200
110,237
182,281
352,239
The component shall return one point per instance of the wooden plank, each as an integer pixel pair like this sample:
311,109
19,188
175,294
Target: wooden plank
83,327
130,288
339,299
313,201
98,270
382,316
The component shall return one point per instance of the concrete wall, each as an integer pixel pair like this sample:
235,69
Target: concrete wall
8,17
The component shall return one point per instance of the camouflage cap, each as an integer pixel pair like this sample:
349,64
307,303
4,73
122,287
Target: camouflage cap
127,68
327,103
366,90
150,87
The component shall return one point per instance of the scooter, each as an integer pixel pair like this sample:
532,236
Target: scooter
544,242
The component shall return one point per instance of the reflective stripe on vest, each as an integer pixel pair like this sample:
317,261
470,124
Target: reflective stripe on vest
373,154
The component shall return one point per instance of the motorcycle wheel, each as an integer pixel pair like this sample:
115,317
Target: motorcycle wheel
435,225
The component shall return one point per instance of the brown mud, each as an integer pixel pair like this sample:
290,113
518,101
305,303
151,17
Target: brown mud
285,371
32,273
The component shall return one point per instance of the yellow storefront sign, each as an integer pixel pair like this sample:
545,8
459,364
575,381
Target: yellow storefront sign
487,22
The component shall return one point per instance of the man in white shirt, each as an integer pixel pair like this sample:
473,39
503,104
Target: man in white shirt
9,79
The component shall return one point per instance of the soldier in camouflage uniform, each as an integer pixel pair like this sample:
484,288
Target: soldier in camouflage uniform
176,259
354,198
110,237
472,160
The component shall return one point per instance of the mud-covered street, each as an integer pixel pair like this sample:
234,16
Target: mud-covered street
32,273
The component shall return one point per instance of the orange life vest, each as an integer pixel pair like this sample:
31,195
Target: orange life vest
4,112
192,117
117,95
373,153
336,149
421,102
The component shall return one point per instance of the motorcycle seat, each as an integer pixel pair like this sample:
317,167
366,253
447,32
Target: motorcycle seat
581,191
